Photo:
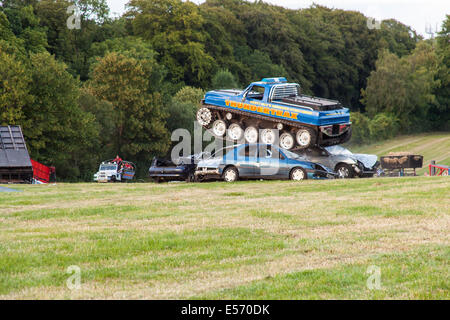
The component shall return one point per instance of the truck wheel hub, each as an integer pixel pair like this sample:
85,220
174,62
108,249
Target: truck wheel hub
204,116
287,141
303,138
235,132
268,136
219,128
251,135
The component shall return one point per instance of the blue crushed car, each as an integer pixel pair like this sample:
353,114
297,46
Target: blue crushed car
259,161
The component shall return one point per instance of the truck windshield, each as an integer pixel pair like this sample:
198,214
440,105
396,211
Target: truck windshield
107,167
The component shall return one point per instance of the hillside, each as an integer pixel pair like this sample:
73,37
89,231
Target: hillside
433,146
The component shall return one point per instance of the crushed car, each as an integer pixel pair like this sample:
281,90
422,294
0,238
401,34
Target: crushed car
259,161
178,169
344,163
163,170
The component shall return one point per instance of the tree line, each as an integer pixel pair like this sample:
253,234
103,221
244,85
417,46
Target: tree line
122,85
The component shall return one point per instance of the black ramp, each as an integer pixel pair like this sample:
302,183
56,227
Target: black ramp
13,150
15,162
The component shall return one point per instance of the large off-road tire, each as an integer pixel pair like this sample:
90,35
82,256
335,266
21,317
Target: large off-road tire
219,128
230,174
251,135
268,136
306,138
287,141
345,171
204,117
298,174
235,132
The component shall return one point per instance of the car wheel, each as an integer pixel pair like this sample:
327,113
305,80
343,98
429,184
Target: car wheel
305,138
298,174
230,174
344,171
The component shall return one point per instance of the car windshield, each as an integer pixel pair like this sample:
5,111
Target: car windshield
338,150
290,154
107,167
220,153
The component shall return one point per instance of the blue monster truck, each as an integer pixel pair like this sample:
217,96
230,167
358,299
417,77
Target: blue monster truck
270,105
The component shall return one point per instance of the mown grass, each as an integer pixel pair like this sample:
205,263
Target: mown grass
419,274
253,239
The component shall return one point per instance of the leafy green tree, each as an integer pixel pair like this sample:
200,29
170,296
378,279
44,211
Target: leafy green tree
14,89
262,67
404,87
224,79
442,112
56,128
73,46
103,112
138,114
174,28
137,48
25,25
183,108
360,127
383,126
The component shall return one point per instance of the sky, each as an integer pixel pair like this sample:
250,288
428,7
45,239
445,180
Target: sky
422,16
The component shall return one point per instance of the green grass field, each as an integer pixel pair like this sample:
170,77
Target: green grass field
249,240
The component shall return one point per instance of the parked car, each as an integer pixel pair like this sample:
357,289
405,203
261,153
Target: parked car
344,163
166,170
259,161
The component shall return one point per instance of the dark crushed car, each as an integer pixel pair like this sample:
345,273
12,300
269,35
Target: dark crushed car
343,161
166,170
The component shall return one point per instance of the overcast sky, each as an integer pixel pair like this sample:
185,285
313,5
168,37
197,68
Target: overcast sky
415,13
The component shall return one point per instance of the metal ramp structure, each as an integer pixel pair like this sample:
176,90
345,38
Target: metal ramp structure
15,162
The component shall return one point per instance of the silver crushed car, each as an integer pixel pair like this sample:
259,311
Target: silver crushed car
343,161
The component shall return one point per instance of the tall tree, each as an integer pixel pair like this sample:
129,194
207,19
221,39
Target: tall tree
404,87
57,130
138,114
174,28
14,89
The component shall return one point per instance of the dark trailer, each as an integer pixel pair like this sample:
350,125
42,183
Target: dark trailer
15,162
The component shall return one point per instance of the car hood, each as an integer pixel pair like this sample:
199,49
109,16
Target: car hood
210,163
368,160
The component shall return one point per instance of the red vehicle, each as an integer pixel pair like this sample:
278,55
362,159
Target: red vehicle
43,174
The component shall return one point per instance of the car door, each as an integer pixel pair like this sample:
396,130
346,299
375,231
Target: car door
269,162
247,161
